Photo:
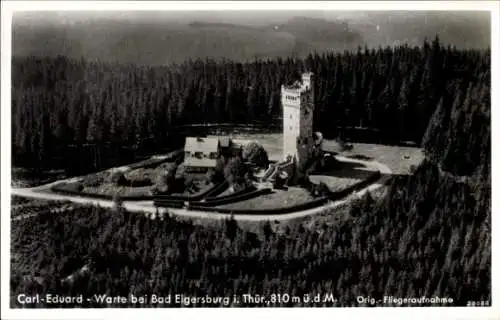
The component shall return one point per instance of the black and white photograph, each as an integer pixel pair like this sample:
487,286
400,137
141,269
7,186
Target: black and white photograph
286,155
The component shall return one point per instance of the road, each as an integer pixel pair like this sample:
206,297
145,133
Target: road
150,210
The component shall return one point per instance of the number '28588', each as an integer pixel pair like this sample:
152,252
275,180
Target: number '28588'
478,304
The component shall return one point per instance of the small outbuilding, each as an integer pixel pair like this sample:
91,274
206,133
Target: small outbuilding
200,154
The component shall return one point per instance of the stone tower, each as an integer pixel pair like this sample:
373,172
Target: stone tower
298,108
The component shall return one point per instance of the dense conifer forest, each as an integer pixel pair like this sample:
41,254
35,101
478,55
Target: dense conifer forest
429,235
61,103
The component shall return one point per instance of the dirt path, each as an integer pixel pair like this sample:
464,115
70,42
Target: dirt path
150,210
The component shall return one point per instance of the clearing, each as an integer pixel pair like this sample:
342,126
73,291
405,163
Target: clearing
343,175
278,199
398,159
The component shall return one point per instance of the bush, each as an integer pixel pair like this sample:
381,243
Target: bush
72,187
180,171
141,183
235,171
214,176
318,190
218,172
305,183
255,154
138,178
93,180
117,200
119,178
323,189
167,181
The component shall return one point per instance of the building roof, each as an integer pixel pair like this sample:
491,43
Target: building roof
204,162
205,145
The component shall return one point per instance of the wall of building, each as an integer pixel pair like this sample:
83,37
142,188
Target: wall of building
291,123
298,109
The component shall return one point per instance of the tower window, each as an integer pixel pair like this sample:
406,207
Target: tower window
291,128
290,116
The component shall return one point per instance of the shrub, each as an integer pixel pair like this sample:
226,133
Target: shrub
72,187
235,171
117,201
93,180
141,183
119,178
217,174
305,183
210,176
323,189
139,178
255,154
179,171
167,181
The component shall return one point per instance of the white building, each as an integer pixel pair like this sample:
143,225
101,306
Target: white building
298,109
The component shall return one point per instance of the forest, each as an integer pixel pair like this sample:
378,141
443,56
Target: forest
429,235
63,106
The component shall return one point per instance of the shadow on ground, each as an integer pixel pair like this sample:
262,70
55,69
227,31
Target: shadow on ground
352,170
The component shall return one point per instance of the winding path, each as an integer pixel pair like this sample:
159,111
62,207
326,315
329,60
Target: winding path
150,210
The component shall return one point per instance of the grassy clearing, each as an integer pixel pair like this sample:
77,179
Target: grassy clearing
334,183
101,182
392,156
112,189
344,175
151,173
278,199
398,159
